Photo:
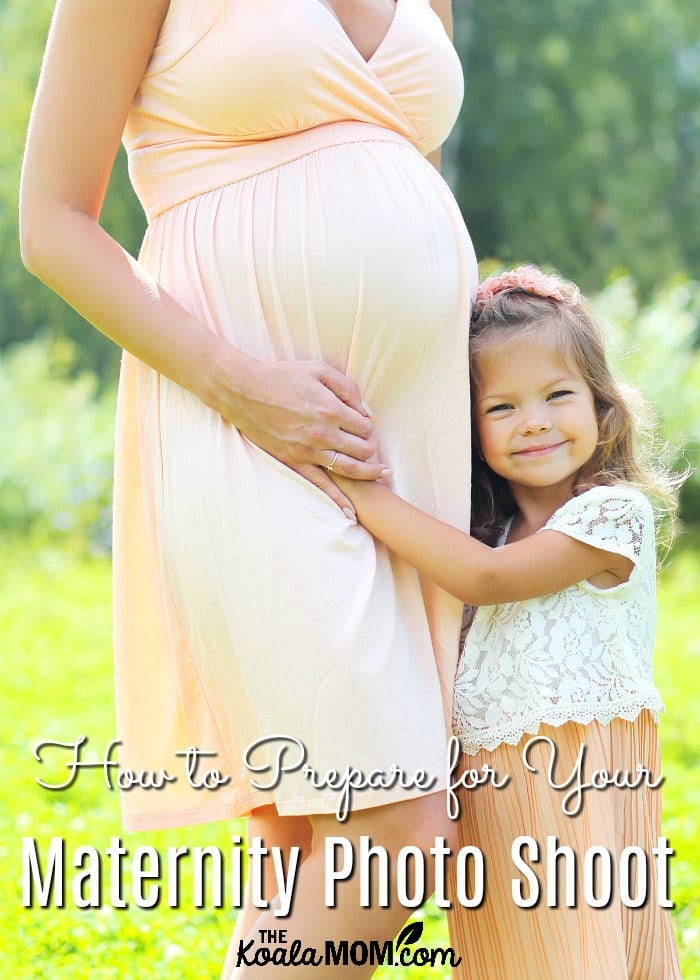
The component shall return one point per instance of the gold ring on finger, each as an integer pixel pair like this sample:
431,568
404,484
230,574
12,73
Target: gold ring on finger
332,462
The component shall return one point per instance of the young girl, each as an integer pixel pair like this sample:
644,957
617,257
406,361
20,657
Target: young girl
560,645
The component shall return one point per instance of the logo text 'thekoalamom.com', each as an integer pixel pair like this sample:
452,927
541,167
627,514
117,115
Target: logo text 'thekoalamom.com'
274,948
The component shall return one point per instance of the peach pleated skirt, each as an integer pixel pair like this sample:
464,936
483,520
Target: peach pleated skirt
502,941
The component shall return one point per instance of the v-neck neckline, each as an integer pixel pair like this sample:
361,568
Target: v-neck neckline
341,26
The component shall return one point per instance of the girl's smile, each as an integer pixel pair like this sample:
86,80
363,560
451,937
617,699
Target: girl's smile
536,415
533,451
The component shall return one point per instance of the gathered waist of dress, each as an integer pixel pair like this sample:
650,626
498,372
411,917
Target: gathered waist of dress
169,173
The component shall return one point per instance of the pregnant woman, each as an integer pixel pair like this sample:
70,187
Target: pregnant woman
303,260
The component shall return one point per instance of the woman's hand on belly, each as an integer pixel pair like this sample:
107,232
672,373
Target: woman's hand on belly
306,414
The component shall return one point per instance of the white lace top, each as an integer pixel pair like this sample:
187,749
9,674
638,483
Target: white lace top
582,654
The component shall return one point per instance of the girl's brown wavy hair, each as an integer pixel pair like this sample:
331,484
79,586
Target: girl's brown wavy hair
627,452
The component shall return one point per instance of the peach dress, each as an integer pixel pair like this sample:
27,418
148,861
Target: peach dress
292,211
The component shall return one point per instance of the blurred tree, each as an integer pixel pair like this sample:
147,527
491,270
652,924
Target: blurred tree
654,346
579,141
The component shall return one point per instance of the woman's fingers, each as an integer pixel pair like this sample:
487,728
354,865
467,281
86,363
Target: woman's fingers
344,465
344,388
302,412
347,428
331,436
321,480
336,413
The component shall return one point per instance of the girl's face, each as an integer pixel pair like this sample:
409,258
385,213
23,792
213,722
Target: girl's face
535,415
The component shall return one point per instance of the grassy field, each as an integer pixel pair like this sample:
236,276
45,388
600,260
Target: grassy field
55,627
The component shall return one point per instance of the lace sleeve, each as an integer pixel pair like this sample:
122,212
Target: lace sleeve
615,519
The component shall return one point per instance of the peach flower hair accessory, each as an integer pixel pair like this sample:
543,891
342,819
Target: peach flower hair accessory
529,279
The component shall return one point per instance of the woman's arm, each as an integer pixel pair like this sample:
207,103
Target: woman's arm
97,53
471,571
443,8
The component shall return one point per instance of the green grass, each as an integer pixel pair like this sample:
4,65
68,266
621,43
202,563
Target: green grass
55,624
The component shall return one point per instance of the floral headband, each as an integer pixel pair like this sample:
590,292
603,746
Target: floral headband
528,279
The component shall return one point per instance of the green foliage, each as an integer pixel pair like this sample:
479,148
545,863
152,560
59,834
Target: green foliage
55,445
55,624
579,141
655,348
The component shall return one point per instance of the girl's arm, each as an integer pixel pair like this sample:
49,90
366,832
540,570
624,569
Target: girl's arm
96,57
471,571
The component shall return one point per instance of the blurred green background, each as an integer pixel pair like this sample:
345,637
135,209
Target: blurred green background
579,148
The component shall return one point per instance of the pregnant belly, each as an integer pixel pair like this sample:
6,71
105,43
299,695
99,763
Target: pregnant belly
355,254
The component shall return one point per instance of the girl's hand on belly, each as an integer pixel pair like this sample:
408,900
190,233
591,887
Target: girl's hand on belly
308,415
